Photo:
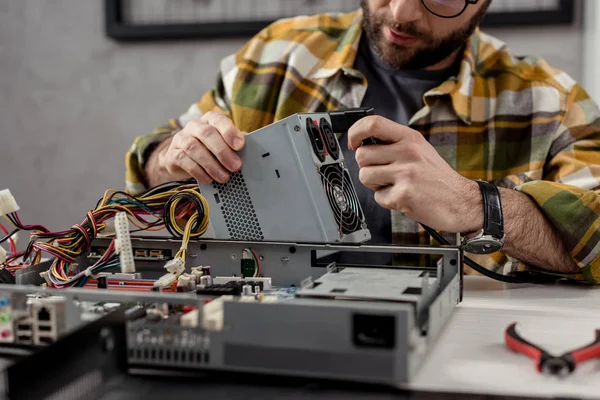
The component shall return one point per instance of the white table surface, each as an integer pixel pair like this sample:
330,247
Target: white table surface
470,355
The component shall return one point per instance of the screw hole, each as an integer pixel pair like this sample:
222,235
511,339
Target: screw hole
203,246
453,262
292,249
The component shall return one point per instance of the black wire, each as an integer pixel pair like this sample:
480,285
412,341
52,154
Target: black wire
4,239
477,267
163,187
16,223
167,215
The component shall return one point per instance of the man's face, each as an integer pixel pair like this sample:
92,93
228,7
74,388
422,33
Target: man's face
407,36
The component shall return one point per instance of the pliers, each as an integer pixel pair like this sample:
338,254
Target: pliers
547,363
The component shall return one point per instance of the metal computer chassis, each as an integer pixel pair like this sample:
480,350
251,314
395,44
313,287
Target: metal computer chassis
360,324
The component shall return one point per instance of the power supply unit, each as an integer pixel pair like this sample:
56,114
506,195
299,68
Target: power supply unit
293,185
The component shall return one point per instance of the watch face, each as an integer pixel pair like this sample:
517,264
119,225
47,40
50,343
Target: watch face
483,246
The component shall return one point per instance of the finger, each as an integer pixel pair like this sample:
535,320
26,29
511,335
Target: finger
376,154
235,138
211,139
383,197
375,177
378,127
175,172
184,165
198,152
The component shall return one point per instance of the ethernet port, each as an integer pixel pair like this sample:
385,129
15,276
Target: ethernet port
44,314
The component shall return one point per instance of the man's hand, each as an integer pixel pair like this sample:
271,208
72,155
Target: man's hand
204,149
407,174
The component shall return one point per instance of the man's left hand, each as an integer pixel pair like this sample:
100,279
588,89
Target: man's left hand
407,174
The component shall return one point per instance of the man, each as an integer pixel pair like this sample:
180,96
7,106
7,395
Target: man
454,106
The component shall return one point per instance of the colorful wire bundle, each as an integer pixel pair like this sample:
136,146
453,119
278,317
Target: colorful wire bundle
170,205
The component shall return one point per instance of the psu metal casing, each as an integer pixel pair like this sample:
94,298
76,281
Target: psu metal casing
287,190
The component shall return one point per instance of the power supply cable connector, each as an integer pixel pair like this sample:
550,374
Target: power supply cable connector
123,243
342,120
8,204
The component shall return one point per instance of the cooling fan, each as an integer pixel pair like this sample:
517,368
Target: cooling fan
293,185
342,198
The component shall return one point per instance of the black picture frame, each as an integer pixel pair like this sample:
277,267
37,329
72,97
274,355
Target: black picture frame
119,30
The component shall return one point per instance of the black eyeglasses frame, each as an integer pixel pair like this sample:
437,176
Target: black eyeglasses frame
467,2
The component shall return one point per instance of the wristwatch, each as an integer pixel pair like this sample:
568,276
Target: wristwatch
490,239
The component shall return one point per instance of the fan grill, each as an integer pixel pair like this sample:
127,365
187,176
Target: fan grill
342,198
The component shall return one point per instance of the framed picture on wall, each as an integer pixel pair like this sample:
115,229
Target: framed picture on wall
137,20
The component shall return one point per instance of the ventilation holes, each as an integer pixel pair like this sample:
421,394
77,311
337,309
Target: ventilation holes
238,210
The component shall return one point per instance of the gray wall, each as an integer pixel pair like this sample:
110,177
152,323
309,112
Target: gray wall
72,101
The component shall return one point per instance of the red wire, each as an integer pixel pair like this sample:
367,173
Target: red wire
30,227
13,247
257,263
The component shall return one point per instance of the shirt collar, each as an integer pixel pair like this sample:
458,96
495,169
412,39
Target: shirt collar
479,52
343,57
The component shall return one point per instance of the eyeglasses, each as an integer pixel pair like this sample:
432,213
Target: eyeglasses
447,8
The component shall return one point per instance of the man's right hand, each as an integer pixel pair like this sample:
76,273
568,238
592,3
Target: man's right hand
204,149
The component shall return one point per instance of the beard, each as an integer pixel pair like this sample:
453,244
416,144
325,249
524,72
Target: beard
430,53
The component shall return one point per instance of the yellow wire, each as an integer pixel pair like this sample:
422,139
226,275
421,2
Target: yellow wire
69,246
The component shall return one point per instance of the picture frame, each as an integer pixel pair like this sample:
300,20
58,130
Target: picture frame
118,28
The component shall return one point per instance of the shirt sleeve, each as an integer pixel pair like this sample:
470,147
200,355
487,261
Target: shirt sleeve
136,180
569,193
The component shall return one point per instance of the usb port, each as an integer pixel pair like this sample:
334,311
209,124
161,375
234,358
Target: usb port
45,340
158,254
141,253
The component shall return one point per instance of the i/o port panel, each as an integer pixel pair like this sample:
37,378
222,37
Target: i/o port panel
139,254
7,333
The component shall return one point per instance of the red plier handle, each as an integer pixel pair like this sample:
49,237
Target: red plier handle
546,362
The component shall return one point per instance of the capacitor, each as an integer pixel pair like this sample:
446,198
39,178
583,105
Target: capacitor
206,280
247,290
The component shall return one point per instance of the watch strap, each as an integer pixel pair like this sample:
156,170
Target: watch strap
493,219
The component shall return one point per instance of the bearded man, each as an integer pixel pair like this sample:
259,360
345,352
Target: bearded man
472,139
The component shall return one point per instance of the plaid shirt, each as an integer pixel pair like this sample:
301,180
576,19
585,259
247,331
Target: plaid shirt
516,122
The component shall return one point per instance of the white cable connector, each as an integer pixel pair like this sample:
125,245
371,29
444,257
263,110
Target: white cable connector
186,281
8,204
196,274
123,243
2,254
44,274
109,229
175,266
165,280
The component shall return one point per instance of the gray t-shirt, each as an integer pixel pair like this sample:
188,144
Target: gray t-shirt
396,95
